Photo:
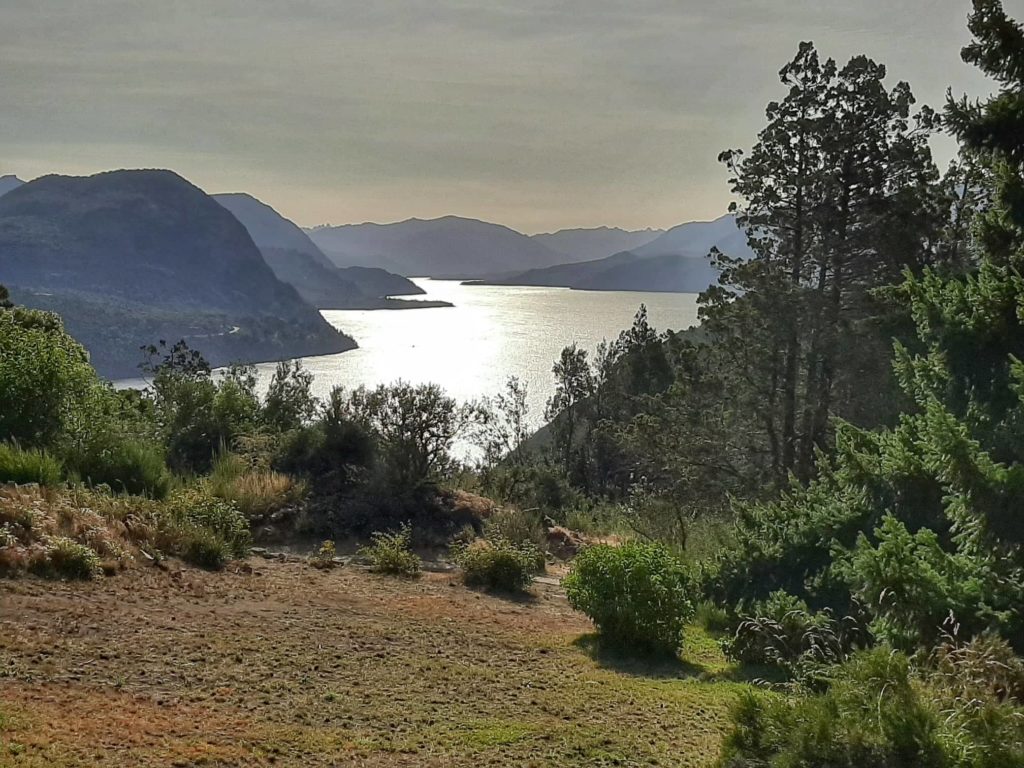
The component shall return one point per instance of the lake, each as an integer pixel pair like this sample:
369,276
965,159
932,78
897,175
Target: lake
491,333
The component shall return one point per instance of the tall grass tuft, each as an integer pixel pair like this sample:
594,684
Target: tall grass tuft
255,492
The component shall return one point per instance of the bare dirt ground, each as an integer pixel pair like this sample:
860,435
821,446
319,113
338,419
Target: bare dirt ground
281,664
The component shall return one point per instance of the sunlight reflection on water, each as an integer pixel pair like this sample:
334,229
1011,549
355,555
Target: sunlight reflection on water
491,333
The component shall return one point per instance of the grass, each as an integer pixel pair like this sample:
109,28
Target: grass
257,493
291,665
78,533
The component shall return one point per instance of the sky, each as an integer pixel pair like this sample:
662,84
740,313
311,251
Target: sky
537,115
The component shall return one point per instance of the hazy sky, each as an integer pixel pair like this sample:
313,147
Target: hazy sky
539,115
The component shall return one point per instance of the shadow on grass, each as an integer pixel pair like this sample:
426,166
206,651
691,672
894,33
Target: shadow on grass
612,656
519,598
668,667
760,674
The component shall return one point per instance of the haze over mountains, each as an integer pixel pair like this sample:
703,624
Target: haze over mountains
296,260
595,243
131,257
601,258
449,247
675,261
9,182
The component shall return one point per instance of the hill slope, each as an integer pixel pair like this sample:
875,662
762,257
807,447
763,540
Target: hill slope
590,244
129,257
674,262
9,183
445,247
297,260
697,238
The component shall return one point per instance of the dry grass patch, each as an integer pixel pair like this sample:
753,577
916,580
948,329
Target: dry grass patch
284,664
257,492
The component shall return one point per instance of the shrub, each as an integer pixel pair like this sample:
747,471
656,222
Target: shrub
874,713
328,452
126,466
324,557
28,466
203,529
522,528
782,631
392,553
255,492
204,548
46,383
67,559
498,564
639,595
714,619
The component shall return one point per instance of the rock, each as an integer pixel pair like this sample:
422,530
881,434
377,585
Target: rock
563,543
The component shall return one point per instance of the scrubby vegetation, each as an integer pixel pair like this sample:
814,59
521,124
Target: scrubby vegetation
826,474
23,467
639,595
391,553
498,564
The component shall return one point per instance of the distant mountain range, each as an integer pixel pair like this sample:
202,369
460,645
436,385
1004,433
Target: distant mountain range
451,247
675,261
590,244
297,260
130,257
602,258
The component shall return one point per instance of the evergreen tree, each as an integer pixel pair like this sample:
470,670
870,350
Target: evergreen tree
838,196
922,524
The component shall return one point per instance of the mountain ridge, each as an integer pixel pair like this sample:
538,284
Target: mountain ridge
297,260
674,262
445,247
91,247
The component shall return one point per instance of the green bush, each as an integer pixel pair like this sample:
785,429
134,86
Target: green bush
875,714
28,466
204,548
67,559
498,564
782,631
713,618
392,553
47,386
523,528
126,466
205,530
639,594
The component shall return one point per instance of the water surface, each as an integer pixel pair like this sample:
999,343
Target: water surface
491,333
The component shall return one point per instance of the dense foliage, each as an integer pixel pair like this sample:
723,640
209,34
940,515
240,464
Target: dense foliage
498,563
639,595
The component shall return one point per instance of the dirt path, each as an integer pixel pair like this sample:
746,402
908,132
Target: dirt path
282,664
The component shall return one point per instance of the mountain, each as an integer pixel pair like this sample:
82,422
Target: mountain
131,257
675,262
589,244
268,228
447,247
297,260
697,238
9,183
